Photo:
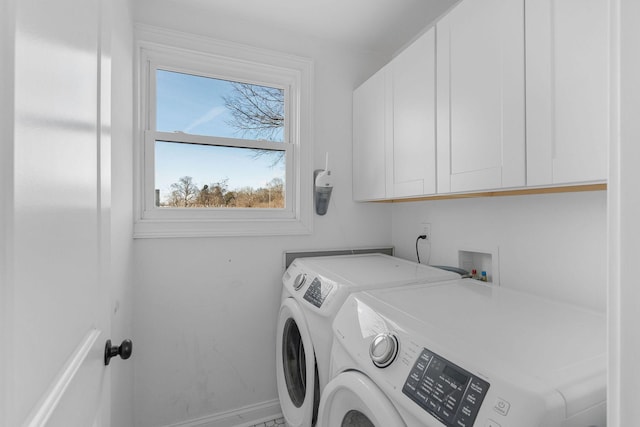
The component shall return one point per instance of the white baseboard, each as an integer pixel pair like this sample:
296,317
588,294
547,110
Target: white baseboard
241,417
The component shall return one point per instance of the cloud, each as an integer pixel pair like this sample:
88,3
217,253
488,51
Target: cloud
206,117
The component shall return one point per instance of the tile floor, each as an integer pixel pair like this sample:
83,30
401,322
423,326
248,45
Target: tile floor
272,423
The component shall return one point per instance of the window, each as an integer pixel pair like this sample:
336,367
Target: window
224,140
242,161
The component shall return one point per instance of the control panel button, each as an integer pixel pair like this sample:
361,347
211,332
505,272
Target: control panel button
502,406
426,357
411,386
467,414
426,388
416,374
423,398
466,411
421,365
477,386
491,423
447,414
471,398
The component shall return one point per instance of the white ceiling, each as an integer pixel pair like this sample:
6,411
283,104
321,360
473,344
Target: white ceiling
382,26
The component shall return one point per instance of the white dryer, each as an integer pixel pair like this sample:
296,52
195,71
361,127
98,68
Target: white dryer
465,354
313,291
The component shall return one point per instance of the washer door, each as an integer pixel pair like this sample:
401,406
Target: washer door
296,371
352,399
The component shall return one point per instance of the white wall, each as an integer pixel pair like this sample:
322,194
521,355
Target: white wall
205,308
553,245
121,304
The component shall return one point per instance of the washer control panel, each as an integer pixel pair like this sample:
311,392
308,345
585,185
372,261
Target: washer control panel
317,292
445,390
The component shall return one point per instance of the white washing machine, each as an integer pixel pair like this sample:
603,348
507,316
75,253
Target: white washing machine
465,354
313,291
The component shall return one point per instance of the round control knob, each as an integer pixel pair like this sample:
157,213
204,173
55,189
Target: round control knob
299,281
383,349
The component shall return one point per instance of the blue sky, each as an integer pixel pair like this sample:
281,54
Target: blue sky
192,104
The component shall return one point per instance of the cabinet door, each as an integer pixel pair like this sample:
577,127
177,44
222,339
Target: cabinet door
414,130
567,91
480,96
369,171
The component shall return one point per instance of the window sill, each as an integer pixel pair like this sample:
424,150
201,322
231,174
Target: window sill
162,228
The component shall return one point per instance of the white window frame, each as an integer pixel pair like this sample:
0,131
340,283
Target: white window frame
179,52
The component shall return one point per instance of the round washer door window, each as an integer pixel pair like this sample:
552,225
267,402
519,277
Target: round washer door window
352,399
296,371
355,418
294,363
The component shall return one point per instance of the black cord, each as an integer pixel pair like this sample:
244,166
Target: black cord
422,236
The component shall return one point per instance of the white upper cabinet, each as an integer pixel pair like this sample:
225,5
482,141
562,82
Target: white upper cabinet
414,127
369,127
567,91
480,96
394,127
501,94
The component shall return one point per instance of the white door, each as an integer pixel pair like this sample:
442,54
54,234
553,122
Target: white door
55,203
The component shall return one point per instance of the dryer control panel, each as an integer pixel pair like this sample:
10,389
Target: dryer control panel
448,392
317,292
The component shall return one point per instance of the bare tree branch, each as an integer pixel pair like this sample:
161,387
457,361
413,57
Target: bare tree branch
257,112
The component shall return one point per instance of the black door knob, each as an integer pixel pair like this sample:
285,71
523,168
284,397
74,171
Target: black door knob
124,350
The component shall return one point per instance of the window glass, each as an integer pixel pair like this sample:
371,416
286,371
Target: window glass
210,176
214,174
206,106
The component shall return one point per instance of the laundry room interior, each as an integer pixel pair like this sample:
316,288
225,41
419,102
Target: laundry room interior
202,309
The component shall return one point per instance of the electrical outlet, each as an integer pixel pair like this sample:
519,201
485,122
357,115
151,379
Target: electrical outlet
425,228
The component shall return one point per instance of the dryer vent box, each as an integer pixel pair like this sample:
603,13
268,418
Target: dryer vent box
481,260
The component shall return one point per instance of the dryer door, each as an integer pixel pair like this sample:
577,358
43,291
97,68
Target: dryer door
352,399
296,371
